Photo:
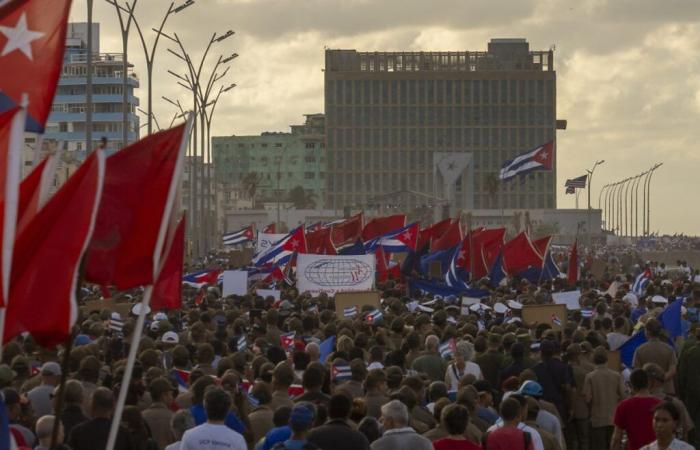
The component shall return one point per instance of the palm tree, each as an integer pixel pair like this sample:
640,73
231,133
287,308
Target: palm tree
250,184
301,199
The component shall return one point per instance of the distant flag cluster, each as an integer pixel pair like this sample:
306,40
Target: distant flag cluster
350,311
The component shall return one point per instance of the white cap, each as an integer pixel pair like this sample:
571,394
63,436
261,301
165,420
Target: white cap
155,325
514,304
659,299
478,307
160,316
116,316
631,299
136,310
500,308
170,337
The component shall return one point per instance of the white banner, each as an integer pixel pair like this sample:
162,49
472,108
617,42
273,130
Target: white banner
267,240
569,298
235,282
332,274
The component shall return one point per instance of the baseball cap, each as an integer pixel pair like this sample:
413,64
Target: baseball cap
155,325
500,308
51,368
531,388
136,310
81,339
302,415
160,316
170,337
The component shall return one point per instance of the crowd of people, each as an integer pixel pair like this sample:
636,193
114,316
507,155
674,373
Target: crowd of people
247,372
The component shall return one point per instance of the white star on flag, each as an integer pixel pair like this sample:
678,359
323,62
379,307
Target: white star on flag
20,38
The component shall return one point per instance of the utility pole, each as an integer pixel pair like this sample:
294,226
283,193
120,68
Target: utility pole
590,182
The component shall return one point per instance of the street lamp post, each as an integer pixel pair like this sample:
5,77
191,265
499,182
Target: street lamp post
150,55
637,179
191,81
601,206
611,206
590,182
648,195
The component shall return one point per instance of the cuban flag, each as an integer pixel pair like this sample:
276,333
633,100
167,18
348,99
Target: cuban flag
587,313
448,348
241,343
641,282
239,237
341,373
201,278
457,273
350,311
539,158
374,317
403,239
287,340
556,320
282,251
254,402
182,378
116,324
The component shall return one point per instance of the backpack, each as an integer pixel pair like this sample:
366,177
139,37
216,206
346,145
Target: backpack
527,439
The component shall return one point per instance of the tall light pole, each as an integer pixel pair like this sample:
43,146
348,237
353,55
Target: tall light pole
192,82
635,216
628,212
601,206
590,181
88,82
150,55
611,206
648,196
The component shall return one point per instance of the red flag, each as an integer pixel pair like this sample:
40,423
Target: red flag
139,193
271,229
382,225
348,231
47,258
447,237
519,254
436,229
167,291
542,245
319,242
487,246
11,138
32,40
34,190
572,273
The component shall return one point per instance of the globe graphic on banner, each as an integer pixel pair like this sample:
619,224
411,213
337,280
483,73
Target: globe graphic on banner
338,272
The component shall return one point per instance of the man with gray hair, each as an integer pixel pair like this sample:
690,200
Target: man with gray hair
44,430
314,351
180,422
430,362
397,433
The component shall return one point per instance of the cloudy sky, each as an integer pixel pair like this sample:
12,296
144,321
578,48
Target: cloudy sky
628,78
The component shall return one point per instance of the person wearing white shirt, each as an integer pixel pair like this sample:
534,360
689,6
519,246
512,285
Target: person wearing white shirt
214,434
461,366
666,418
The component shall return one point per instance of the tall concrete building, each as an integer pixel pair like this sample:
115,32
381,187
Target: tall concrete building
67,122
411,130
277,162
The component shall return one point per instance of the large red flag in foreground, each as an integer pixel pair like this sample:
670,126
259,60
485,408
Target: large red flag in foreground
34,190
11,137
382,225
32,39
319,242
137,196
519,254
47,258
167,292
434,230
487,246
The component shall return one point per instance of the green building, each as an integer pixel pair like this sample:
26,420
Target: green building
274,166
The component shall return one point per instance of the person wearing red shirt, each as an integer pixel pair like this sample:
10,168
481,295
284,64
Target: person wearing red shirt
454,419
509,436
635,415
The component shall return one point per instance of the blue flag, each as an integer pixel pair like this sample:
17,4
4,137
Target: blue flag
497,273
444,290
670,320
326,348
4,425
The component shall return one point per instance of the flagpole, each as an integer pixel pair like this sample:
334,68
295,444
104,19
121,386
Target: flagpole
9,228
148,293
62,385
